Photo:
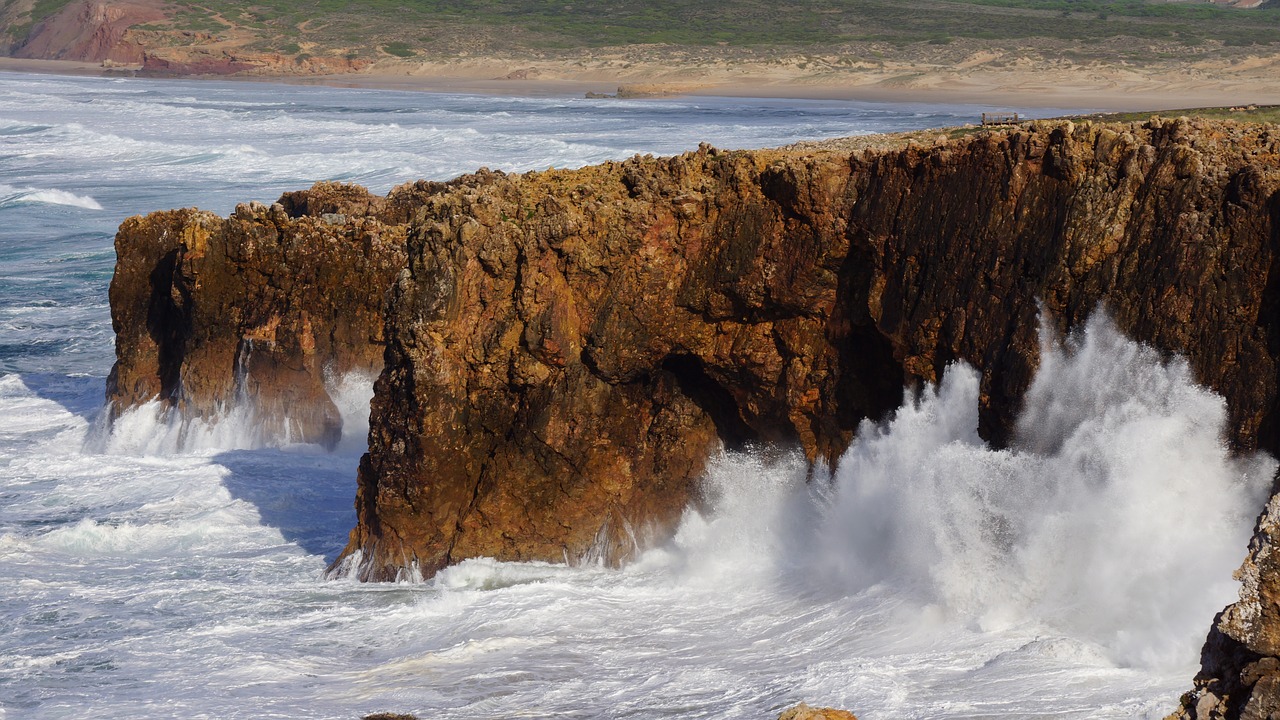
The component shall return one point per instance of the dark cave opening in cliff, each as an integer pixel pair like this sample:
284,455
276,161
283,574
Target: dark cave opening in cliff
714,399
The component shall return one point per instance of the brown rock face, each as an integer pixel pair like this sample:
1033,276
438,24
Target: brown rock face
1240,663
567,348
570,347
91,31
258,309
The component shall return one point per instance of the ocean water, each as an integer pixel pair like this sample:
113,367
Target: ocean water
1072,576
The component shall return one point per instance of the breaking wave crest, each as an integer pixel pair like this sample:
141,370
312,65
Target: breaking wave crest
10,195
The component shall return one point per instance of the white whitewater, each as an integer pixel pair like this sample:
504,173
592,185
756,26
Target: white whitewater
1073,575
1111,518
11,195
163,572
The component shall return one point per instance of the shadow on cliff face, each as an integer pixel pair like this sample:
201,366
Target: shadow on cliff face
304,494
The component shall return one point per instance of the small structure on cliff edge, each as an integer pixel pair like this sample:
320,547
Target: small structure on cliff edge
564,350
1000,119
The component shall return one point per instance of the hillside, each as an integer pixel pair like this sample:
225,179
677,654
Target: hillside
814,40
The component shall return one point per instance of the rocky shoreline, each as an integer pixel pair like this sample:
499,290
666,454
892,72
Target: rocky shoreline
562,351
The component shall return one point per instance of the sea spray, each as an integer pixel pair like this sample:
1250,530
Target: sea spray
156,428
1115,517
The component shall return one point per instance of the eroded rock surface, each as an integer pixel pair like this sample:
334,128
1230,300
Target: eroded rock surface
91,30
260,309
1240,663
567,348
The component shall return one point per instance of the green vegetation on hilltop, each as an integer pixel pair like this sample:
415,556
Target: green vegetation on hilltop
409,27
1251,113
40,10
597,23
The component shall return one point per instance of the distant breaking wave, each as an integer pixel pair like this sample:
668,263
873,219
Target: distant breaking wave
10,195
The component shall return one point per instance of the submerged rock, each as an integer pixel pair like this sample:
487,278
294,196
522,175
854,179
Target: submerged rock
805,712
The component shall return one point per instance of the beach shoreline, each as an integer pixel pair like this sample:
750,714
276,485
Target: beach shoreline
1064,88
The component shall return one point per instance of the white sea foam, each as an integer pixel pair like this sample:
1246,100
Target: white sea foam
1115,516
1107,531
10,194
207,566
156,429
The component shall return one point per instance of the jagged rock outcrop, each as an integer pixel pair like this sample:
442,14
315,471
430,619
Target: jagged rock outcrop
1240,664
567,348
260,309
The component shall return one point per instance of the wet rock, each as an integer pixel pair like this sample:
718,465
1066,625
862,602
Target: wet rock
564,350
1240,664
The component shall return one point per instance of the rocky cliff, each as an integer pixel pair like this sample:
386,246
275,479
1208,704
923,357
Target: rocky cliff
567,348
90,30
154,38
564,350
259,310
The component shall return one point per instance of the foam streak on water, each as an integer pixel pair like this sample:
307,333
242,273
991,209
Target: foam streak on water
156,574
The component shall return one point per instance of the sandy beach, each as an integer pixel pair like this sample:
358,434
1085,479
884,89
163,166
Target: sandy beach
987,79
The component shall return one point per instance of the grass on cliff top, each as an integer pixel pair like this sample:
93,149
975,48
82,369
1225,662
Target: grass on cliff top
597,23
408,28
1249,113
893,141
